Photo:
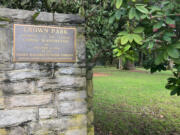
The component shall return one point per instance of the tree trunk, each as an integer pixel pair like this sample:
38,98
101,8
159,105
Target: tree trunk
170,64
120,64
129,65
141,59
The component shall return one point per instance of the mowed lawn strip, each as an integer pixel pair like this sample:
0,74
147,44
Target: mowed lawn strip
134,103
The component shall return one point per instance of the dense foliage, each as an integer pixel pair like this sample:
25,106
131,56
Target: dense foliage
153,27
123,28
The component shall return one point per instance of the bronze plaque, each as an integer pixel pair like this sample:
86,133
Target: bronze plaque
34,43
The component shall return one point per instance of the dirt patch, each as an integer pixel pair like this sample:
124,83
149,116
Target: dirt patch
100,74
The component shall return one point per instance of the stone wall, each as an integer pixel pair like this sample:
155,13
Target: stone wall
43,98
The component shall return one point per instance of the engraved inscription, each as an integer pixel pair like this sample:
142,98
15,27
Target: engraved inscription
34,43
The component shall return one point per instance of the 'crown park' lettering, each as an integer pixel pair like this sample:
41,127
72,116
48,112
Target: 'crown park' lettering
45,30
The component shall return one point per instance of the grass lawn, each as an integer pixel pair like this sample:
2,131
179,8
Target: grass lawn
134,103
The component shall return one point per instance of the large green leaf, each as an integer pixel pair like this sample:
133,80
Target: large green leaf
122,33
165,3
118,14
170,21
158,25
167,38
151,45
139,30
142,9
118,3
159,58
50,2
137,38
82,11
132,13
177,61
176,45
165,55
119,53
112,19
130,38
173,52
140,4
173,92
118,41
144,16
115,50
24,2
154,9
137,16
124,40
127,47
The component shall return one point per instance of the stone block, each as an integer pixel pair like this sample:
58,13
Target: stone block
68,71
61,82
18,66
28,100
62,65
71,95
61,133
3,23
63,123
44,132
71,81
72,107
3,40
16,14
2,103
16,117
43,67
3,131
4,49
1,93
5,66
75,65
17,75
22,87
46,84
18,131
44,17
45,113
78,131
1,79
83,71
50,124
79,120
68,18
44,126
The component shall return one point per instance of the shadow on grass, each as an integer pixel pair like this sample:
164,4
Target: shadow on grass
118,120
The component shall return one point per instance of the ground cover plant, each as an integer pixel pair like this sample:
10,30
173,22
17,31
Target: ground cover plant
134,103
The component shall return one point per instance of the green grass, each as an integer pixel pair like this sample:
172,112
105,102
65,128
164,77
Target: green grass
134,103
